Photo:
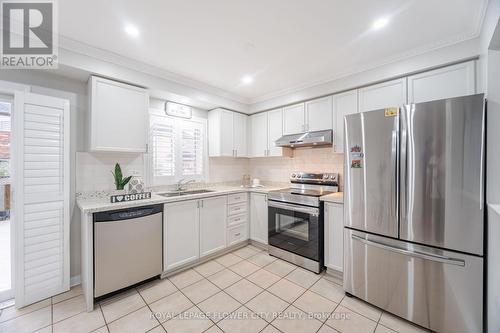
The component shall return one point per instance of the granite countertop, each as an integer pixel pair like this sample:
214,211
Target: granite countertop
337,197
100,204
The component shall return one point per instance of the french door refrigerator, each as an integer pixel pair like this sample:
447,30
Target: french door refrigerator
414,228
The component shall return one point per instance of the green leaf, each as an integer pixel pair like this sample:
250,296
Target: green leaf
126,180
118,172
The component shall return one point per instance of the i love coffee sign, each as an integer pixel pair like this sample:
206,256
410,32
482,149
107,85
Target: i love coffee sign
130,197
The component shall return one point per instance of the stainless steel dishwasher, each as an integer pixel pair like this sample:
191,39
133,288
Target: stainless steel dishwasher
128,247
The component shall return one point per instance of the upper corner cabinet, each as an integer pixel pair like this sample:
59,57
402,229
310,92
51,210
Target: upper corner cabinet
118,116
383,95
227,133
447,82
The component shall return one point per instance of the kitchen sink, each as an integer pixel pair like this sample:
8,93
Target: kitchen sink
181,193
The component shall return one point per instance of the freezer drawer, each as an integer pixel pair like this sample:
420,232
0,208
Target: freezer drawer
440,290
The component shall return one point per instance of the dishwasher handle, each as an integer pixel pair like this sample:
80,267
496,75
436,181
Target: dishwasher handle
126,214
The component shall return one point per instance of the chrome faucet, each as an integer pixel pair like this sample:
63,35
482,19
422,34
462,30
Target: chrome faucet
180,185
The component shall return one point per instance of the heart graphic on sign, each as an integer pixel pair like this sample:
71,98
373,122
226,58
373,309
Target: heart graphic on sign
119,198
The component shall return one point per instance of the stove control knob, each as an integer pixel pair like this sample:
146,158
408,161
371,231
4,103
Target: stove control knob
293,175
299,176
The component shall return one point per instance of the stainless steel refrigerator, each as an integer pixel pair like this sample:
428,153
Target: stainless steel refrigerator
414,207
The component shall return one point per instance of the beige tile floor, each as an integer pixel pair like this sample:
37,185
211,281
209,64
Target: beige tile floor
244,291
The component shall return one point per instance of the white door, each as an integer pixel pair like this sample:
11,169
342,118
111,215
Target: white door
274,131
212,225
447,82
180,233
240,134
293,119
334,236
227,133
343,105
319,114
259,134
258,217
383,95
41,215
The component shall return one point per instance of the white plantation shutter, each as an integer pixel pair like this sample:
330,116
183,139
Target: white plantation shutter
177,148
162,142
192,149
40,147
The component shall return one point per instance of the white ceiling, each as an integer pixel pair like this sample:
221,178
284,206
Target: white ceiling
285,44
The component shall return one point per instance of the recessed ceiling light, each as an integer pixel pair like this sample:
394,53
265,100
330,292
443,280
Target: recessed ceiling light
380,23
132,30
247,79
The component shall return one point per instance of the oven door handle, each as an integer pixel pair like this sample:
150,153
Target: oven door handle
301,209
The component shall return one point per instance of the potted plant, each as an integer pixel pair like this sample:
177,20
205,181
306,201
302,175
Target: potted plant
120,182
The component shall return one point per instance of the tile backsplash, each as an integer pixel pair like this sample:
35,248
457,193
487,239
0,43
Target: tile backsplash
304,159
93,170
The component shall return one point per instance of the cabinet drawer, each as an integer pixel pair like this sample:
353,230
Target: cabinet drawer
237,234
236,209
236,198
236,219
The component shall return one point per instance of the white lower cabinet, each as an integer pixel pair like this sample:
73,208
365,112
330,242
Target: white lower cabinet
193,229
237,234
212,225
181,234
258,217
334,236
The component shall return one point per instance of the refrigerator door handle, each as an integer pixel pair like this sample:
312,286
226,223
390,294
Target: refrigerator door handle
395,163
403,165
481,165
415,254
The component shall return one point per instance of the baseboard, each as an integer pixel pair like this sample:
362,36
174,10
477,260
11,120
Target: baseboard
75,280
259,244
335,273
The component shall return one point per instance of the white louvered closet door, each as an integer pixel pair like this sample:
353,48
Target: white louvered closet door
41,196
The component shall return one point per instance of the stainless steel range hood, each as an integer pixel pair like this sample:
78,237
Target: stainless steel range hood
308,139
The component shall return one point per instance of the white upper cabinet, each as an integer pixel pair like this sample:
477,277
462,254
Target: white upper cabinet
240,134
274,132
294,119
227,133
266,128
343,105
451,81
383,95
258,134
319,114
118,116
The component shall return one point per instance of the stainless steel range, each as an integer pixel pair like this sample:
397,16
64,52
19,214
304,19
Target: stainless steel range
295,217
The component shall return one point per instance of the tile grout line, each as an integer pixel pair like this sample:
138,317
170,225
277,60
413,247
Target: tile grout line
151,310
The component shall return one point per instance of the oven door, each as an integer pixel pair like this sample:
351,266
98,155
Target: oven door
296,228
